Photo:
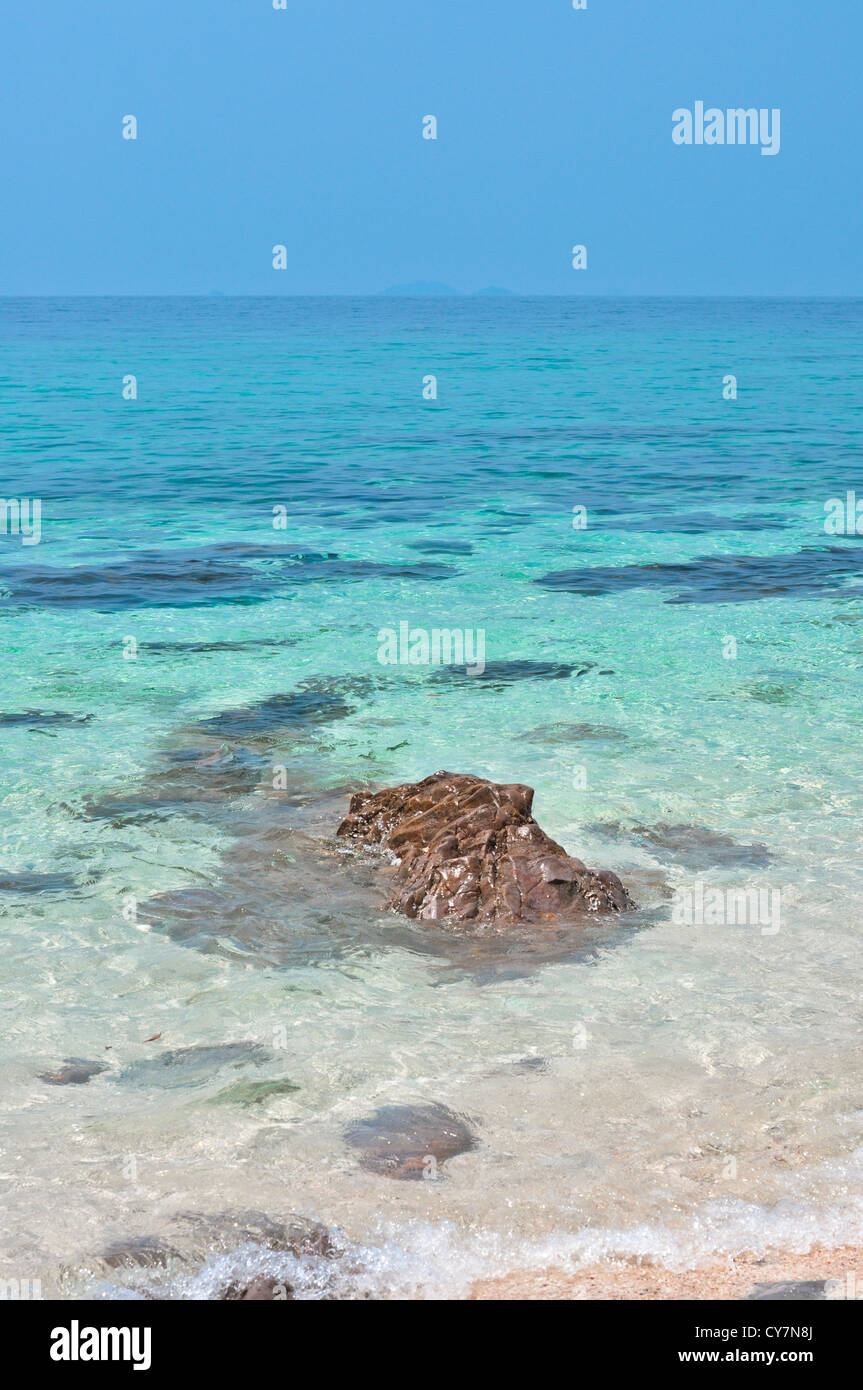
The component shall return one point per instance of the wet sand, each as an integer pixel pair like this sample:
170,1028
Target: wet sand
733,1278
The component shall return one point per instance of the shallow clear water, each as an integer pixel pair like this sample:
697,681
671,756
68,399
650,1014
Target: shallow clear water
699,1088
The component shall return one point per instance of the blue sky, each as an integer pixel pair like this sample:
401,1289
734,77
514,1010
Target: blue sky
303,127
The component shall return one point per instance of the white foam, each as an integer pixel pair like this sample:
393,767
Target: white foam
425,1260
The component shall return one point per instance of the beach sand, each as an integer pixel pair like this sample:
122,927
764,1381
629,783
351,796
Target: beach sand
733,1278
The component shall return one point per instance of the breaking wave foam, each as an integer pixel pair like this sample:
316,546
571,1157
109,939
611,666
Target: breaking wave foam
423,1260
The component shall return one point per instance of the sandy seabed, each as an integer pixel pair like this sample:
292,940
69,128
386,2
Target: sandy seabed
729,1279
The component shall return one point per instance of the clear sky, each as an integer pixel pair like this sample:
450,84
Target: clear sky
303,127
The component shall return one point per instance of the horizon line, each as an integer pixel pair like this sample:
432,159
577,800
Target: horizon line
390,294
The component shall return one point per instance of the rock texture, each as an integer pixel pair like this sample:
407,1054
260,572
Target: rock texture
410,1142
75,1071
793,1291
469,850
262,1289
145,1252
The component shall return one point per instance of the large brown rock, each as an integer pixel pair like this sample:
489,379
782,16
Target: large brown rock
470,850
410,1141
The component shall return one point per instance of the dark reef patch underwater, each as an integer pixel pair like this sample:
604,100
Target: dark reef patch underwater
694,847
41,718
224,572
807,573
498,674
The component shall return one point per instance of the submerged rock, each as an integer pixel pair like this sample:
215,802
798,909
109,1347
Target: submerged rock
202,648
530,1064
805,573
249,1093
75,1071
248,915
410,1142
468,849
146,579
501,673
803,1289
296,1235
575,733
262,1289
192,1066
37,883
434,547
38,717
141,1252
193,1238
226,572
695,847
335,569
191,780
298,709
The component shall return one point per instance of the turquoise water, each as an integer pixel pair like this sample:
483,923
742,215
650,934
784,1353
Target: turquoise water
699,1085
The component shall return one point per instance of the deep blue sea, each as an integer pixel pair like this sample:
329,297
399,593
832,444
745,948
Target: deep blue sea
191,689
